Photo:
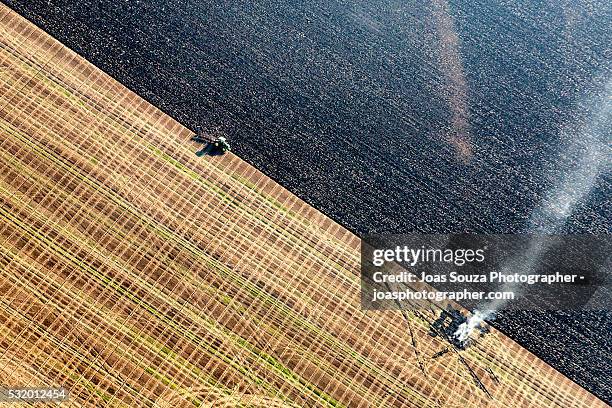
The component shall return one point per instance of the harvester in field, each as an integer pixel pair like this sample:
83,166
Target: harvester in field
451,324
213,146
447,324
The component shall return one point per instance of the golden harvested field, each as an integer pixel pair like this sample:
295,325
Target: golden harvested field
134,273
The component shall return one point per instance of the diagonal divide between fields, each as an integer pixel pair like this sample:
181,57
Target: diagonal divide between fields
137,274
